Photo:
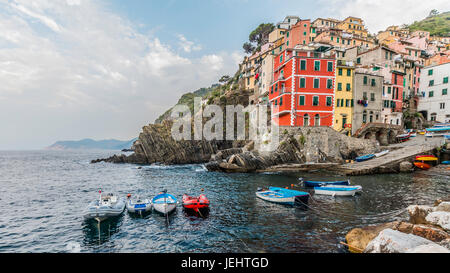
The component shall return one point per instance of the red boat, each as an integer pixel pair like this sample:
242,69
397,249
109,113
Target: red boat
195,203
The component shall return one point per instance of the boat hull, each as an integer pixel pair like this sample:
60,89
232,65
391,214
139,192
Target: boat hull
364,158
313,184
422,165
164,208
195,203
164,203
283,196
338,191
101,213
139,207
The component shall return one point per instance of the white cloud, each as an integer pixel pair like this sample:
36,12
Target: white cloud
186,45
379,14
70,69
213,62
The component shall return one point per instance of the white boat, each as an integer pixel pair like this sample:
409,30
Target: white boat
164,203
139,205
106,206
338,190
382,153
283,196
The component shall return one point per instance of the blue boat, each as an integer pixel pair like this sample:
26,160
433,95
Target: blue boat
312,184
164,203
445,162
365,157
283,196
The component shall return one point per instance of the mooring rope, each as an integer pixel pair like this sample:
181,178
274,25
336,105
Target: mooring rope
380,215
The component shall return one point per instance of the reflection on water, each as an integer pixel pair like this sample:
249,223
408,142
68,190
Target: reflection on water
96,233
43,195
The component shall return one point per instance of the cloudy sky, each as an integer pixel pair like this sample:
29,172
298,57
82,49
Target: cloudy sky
73,69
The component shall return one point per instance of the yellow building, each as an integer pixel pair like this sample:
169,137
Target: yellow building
343,99
353,25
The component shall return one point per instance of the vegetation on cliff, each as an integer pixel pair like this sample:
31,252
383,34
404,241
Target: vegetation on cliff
436,23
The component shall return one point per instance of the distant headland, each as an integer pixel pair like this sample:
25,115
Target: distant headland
90,144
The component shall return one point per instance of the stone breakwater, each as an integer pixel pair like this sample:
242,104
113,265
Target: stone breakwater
427,230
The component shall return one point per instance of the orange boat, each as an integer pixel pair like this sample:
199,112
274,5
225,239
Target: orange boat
422,165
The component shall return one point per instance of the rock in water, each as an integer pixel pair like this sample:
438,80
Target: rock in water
417,213
358,238
406,167
392,241
439,218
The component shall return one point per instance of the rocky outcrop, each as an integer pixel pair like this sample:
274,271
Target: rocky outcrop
296,146
406,167
417,213
359,238
426,222
393,241
156,145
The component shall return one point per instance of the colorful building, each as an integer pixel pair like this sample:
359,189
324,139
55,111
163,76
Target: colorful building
298,34
367,94
302,93
353,25
343,101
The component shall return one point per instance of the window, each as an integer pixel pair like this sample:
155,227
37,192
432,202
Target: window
386,55
431,94
287,43
271,90
287,34
329,101
365,80
306,120
364,95
329,83
442,105
348,87
316,65
281,58
338,102
281,101
340,71
373,82
444,91
372,96
349,72
302,82
351,103
339,87
303,65
330,67
358,61
431,83
316,101
347,103
316,83
430,72
445,80
302,100
389,90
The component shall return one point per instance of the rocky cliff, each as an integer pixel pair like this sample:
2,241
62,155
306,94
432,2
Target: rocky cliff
297,145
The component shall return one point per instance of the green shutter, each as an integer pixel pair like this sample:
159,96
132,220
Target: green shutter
302,100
